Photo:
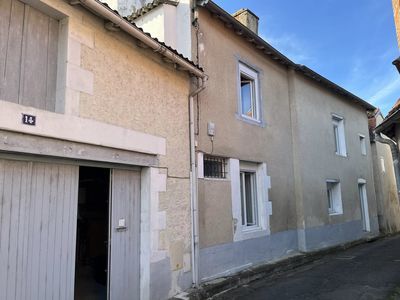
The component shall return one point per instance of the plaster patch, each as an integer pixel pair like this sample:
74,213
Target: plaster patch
74,52
80,79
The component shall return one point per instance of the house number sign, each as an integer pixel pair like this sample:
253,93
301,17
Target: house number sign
28,120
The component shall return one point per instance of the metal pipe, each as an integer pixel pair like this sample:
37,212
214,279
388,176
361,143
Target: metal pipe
395,156
193,186
132,30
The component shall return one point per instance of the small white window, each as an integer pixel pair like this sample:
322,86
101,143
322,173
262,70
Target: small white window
249,104
363,145
383,169
338,132
334,197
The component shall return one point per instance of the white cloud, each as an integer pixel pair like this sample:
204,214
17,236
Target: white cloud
290,46
388,93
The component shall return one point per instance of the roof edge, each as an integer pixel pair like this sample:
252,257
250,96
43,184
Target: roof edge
119,22
276,55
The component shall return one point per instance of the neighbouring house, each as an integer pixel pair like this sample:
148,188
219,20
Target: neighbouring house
283,154
387,196
94,155
396,14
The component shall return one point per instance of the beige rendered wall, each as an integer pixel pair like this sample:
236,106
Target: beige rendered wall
121,80
385,186
396,12
317,159
219,52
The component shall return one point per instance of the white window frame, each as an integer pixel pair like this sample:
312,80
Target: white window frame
263,206
339,135
334,197
253,75
363,144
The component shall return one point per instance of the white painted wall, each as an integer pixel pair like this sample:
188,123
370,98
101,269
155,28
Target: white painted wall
183,28
153,23
171,25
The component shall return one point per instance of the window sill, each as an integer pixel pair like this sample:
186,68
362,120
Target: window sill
335,213
251,233
250,121
341,155
216,179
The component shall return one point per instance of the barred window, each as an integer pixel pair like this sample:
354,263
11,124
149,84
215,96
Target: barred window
214,167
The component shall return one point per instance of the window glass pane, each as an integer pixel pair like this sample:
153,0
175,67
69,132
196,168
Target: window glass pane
243,197
246,97
249,199
330,198
336,134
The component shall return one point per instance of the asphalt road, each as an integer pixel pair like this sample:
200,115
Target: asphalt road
367,271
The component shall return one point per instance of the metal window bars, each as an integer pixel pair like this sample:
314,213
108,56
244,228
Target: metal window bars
214,167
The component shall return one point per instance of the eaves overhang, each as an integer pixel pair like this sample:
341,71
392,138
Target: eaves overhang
387,127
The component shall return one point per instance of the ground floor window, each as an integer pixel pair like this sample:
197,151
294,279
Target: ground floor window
251,209
335,206
248,191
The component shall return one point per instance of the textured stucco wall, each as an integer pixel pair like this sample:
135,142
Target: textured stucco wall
124,94
385,186
216,223
129,87
220,51
318,160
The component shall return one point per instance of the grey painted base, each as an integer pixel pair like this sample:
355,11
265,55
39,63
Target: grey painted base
230,258
160,280
227,259
316,238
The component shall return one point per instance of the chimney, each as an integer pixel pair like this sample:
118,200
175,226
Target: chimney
247,18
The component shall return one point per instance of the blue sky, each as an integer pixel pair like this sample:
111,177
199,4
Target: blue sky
351,42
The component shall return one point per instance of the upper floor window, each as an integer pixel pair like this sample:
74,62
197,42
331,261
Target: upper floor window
363,145
28,56
249,106
338,132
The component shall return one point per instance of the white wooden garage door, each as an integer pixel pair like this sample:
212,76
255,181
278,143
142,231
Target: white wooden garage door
38,207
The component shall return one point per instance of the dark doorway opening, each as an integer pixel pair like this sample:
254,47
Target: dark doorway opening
92,234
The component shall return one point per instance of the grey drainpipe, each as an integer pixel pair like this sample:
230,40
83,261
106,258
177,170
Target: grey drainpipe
395,155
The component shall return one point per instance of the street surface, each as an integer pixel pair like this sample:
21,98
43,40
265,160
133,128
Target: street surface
368,271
